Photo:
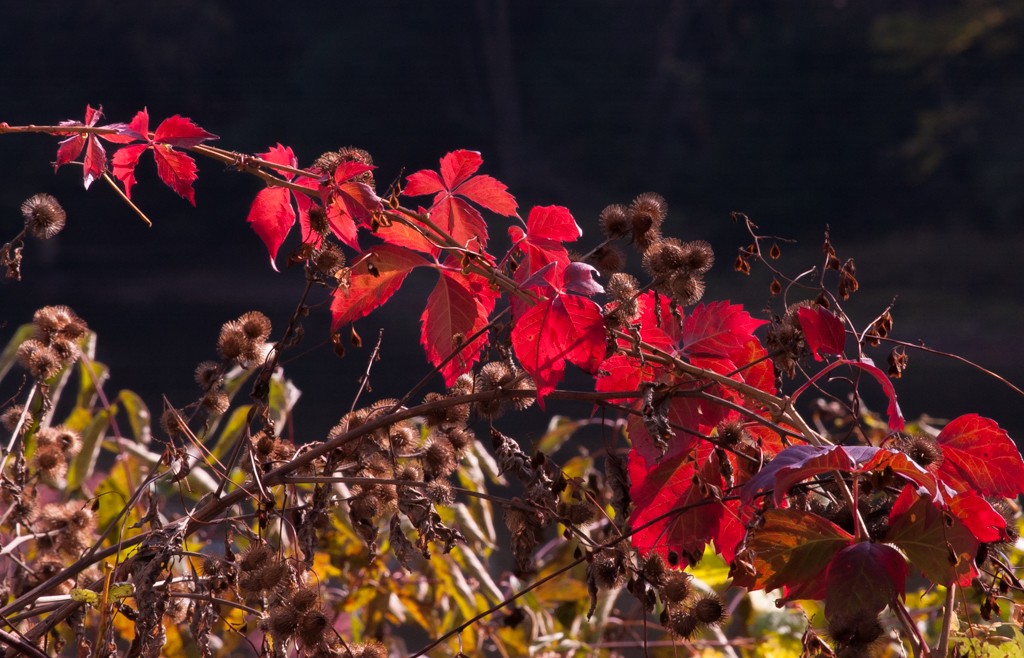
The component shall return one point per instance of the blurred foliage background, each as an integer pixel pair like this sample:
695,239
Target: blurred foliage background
896,124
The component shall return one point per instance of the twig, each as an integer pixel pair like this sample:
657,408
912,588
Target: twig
364,380
949,609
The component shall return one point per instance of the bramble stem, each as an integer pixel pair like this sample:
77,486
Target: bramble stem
124,197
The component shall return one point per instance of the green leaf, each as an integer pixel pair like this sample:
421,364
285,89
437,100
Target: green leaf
118,591
86,596
232,430
138,415
560,430
84,464
10,354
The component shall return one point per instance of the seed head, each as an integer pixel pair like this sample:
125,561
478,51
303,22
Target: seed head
615,221
677,586
9,418
682,623
255,557
208,375
305,598
665,257
49,460
311,628
39,359
439,457
708,609
255,326
685,288
282,621
232,342
44,217
318,221
646,214
440,492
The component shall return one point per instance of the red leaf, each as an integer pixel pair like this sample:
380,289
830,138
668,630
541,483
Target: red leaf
669,486
717,329
181,132
546,229
452,213
563,328
459,165
423,182
797,463
863,579
454,312
824,331
937,543
272,217
986,524
978,454
404,236
489,193
95,162
378,274
792,548
177,170
124,162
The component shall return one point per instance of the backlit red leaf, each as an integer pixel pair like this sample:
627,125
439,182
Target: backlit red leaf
272,217
896,421
978,454
181,132
459,165
124,162
177,170
658,489
563,328
824,331
935,542
455,310
489,193
984,522
717,329
423,182
379,272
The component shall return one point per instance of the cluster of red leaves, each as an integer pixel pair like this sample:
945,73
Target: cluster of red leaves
679,470
176,169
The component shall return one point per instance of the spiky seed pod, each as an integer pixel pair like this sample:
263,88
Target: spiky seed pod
216,401
577,513
282,451
256,326
924,450
304,598
254,557
615,221
410,473
328,259
232,342
273,574
708,609
461,438
646,214
685,288
855,634
608,259
654,569
462,386
676,586
455,415
311,628
39,359
698,256
682,624
208,375
608,568
403,436
440,492
439,457
67,439
49,320
44,216
665,257
50,462
318,222
10,416
282,622
172,423
732,433
524,383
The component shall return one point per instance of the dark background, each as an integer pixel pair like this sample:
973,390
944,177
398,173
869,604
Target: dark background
897,124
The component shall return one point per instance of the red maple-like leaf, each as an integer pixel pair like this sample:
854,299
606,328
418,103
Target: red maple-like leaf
456,185
659,329
349,202
272,213
176,169
457,308
688,483
717,329
400,234
547,229
978,454
561,328
984,522
95,162
824,331
376,276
